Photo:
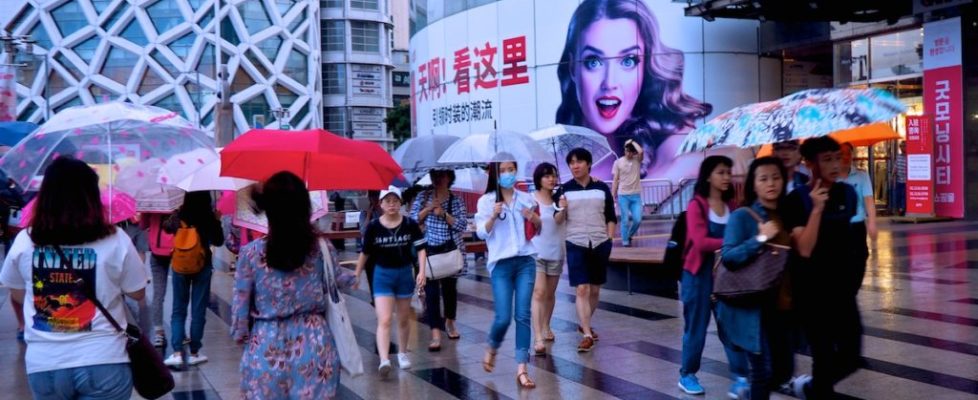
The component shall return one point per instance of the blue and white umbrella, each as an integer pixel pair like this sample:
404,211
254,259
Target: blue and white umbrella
802,115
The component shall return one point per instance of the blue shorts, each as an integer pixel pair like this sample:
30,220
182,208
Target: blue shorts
588,265
394,282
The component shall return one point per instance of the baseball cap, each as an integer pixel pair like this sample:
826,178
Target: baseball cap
394,190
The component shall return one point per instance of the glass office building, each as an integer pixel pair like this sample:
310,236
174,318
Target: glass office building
163,53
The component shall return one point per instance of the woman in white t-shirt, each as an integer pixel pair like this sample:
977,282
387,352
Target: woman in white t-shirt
550,255
72,349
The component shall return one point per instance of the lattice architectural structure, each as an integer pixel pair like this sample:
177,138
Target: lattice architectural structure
162,53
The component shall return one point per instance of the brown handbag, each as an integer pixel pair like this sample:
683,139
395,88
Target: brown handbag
756,277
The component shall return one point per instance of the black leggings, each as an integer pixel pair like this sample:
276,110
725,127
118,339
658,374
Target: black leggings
435,291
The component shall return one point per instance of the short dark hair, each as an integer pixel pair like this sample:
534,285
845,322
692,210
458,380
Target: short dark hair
449,172
630,147
788,143
815,146
68,208
541,171
291,237
581,154
750,195
709,165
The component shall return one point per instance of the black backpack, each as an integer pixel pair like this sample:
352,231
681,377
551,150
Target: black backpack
676,248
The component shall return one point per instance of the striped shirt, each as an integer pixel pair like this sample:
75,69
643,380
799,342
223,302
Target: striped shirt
589,210
901,168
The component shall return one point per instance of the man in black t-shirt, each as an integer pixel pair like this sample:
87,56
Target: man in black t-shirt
827,276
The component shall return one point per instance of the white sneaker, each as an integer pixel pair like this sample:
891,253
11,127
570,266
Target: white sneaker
174,360
403,361
384,369
195,359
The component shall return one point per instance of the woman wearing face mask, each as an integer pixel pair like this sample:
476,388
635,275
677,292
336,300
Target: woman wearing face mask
752,326
500,220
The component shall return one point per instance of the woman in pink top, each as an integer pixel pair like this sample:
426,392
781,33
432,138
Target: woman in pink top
706,218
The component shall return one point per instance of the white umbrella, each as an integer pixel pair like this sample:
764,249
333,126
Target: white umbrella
471,180
420,154
561,139
209,177
483,148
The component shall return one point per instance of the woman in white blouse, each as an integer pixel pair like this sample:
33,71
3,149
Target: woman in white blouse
550,255
505,217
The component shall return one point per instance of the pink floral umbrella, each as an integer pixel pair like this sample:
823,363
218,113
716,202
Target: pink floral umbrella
118,207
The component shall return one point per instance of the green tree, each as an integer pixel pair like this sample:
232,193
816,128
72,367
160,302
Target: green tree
399,122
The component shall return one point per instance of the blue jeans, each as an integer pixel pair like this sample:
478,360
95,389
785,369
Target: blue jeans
630,206
899,196
695,291
515,275
94,382
194,290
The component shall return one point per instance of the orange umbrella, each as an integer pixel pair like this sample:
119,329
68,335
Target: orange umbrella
865,135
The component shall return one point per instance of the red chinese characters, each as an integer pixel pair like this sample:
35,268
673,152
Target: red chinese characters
475,68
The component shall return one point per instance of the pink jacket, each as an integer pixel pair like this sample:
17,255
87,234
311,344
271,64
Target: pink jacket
698,241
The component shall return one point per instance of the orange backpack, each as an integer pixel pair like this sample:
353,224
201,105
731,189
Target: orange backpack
188,251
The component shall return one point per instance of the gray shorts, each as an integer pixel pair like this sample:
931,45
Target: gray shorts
550,267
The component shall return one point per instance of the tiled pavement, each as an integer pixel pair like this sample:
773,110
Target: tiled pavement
919,304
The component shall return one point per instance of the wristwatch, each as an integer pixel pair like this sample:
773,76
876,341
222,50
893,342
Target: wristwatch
761,238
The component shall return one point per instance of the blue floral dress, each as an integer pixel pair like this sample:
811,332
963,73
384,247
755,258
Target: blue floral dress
290,353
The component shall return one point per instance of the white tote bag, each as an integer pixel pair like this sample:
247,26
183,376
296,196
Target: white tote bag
339,318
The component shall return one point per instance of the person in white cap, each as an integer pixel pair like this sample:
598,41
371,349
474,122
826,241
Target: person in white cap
391,242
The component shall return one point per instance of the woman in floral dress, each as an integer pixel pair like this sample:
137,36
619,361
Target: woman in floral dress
279,308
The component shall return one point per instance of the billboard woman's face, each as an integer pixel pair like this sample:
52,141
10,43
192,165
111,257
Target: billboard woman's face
609,73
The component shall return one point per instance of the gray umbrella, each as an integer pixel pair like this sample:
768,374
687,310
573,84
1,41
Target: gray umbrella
418,155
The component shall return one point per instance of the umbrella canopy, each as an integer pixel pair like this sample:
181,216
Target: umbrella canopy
806,114
482,148
118,207
561,139
246,216
420,154
12,132
471,180
323,160
202,168
109,135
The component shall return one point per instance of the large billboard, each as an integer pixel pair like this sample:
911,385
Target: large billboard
628,69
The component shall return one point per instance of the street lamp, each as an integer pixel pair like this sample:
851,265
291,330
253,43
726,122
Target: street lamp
16,49
281,115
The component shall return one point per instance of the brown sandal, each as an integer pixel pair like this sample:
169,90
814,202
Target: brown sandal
525,384
489,361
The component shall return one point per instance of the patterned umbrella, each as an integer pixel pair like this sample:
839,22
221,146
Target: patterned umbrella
806,114
108,136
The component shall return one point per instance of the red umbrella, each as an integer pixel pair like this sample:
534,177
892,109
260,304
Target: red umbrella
324,160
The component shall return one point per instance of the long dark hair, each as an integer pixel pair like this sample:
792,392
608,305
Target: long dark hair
661,101
68,208
493,181
709,165
291,236
750,196
197,209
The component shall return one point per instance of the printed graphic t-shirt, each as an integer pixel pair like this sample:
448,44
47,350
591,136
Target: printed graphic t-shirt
63,327
393,247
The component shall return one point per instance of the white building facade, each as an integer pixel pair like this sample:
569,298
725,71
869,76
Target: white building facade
162,53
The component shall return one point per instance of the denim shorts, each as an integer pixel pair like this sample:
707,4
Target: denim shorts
394,282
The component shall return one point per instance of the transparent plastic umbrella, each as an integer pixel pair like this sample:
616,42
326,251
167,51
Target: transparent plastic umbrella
482,148
108,136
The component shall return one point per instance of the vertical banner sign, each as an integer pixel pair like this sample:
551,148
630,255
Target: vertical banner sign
920,166
944,104
8,93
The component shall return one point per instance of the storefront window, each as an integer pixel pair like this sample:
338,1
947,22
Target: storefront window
897,54
851,62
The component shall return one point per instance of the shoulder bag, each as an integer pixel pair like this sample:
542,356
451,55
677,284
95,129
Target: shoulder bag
758,276
445,260
150,377
338,318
